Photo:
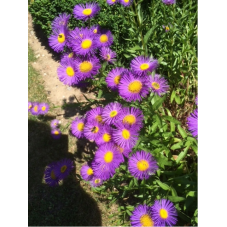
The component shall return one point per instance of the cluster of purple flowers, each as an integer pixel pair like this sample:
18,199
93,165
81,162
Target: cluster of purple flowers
162,213
55,131
134,84
36,108
122,2
115,130
192,121
80,62
57,171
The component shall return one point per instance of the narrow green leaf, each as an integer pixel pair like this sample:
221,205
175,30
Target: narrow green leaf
163,185
181,131
182,154
172,96
158,103
171,119
100,94
177,146
176,199
177,99
148,34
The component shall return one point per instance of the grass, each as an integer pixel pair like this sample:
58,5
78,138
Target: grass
73,203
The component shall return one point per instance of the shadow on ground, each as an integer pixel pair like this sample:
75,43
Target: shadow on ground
64,205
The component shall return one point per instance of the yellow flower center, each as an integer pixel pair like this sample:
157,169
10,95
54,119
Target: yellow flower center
70,71
103,38
87,12
43,108
155,85
146,220
86,66
98,118
95,31
29,107
167,28
163,213
113,113
63,168
135,86
80,126
117,79
70,55
61,38
142,165
130,119
107,57
113,0
144,66
95,129
86,44
108,156
36,108
56,132
97,181
52,175
89,171
106,137
125,134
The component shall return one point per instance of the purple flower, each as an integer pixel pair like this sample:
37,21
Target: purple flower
105,39
74,35
111,112
86,172
105,136
29,106
107,54
95,29
125,136
35,108
55,133
112,2
141,216
126,2
57,39
113,78
141,65
123,151
87,67
167,28
65,166
77,127
158,84
54,123
61,20
164,213
106,160
85,12
95,182
192,122
66,56
92,130
142,165
43,108
66,72
132,87
95,114
169,2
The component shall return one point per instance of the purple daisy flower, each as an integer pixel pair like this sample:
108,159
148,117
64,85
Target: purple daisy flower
192,122
74,35
95,114
111,112
65,166
61,20
169,2
107,54
55,133
35,108
105,135
105,39
95,182
54,123
43,108
51,174
106,160
158,84
132,87
67,73
92,130
141,216
123,151
164,213
95,29
126,2
86,44
132,116
85,12
125,136
77,127
113,78
87,67
67,56
30,104
141,65
86,172
111,2
57,39
142,165
167,28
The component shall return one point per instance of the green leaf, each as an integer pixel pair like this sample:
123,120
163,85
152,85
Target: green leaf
181,131
171,119
176,199
195,149
174,193
163,185
177,146
100,94
192,194
148,34
182,154
158,103
172,96
177,99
